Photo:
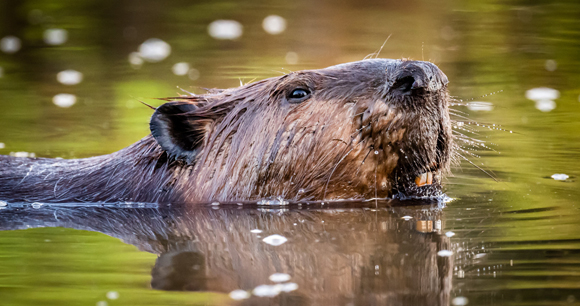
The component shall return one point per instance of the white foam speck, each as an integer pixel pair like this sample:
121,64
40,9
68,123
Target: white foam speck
407,218
479,106
279,277
450,234
542,93
181,68
225,29
3,203
274,24
10,44
459,301
480,255
112,295
239,295
545,105
2,145
215,203
551,65
288,287
154,50
560,176
22,154
256,231
275,240
69,77
55,36
277,201
444,253
135,60
292,58
267,290
64,100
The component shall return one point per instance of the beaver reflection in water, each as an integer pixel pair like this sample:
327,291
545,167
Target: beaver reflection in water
373,128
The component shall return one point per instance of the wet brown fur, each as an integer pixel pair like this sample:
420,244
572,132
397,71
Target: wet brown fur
355,137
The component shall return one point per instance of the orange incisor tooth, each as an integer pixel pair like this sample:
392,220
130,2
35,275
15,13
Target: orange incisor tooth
421,180
424,179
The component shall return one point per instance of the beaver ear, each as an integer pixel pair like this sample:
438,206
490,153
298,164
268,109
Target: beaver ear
177,131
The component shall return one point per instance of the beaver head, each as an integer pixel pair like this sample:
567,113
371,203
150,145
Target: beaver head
367,129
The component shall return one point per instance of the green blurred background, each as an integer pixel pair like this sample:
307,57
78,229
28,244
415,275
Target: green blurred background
484,47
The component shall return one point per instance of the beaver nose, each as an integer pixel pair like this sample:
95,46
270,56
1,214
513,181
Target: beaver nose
418,77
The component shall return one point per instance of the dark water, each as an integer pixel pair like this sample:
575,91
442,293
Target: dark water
511,242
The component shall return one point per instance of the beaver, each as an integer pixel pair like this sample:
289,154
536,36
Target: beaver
375,128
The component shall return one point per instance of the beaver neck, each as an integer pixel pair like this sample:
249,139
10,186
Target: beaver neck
137,173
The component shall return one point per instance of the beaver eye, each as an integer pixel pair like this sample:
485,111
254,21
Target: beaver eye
298,95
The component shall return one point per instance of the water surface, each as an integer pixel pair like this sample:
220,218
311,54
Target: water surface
511,242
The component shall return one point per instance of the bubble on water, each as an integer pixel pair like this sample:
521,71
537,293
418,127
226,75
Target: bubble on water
459,301
279,277
292,58
36,205
180,68
542,93
215,203
450,234
560,176
10,44
2,145
288,287
112,295
444,253
64,100
193,74
479,106
154,50
55,37
277,201
135,60
22,154
551,65
225,29
267,290
275,240
545,105
406,218
69,77
256,231
274,24
239,295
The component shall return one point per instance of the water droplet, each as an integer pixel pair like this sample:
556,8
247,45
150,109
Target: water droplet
215,203
10,44
376,152
239,295
275,240
64,100
267,290
256,231
459,301
450,234
406,218
181,68
560,176
292,58
279,277
112,295
69,77
274,24
225,29
444,253
55,37
154,50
